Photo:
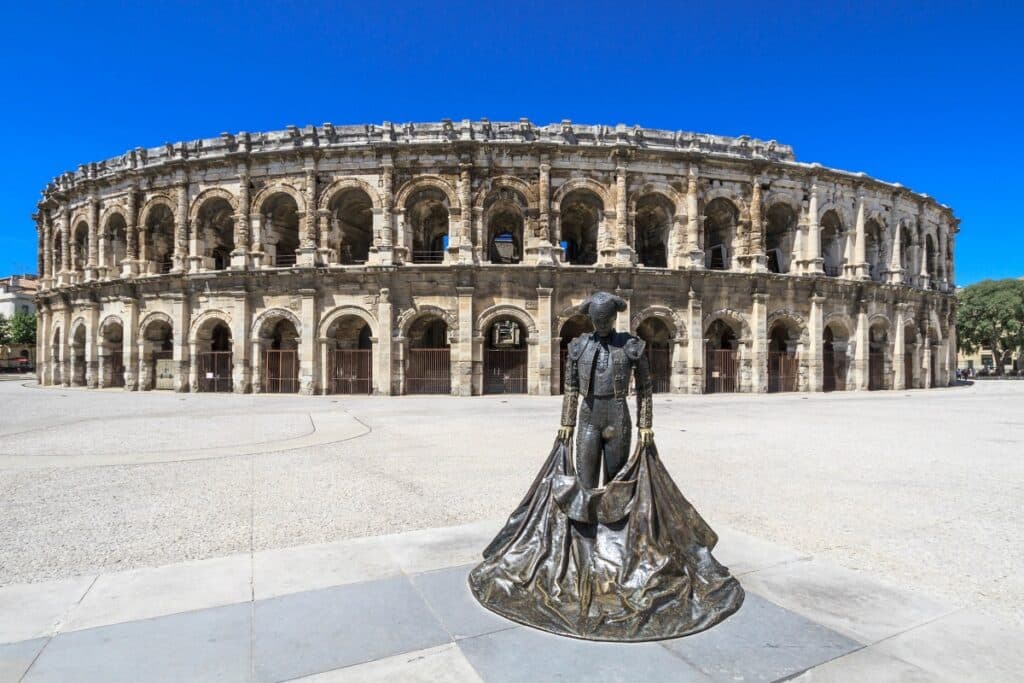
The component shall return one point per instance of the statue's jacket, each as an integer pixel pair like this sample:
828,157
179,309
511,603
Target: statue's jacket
627,357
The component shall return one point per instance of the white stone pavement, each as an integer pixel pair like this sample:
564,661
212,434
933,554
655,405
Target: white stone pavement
396,608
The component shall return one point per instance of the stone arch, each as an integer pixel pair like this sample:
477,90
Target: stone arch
603,192
841,209
710,194
273,315
268,192
882,318
77,323
207,195
529,194
793,318
107,321
668,316
722,216
787,197
653,227
502,219
151,203
423,182
497,311
342,185
150,318
673,196
110,210
339,312
842,320
205,321
780,219
733,319
411,315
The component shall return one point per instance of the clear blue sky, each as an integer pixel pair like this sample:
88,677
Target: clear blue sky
927,94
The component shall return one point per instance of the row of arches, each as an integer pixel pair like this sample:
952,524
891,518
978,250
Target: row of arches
503,214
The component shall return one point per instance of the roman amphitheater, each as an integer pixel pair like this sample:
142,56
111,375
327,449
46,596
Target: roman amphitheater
448,258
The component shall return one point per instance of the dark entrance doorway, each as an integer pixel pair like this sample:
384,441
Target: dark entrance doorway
429,369
505,358
721,359
658,349
215,365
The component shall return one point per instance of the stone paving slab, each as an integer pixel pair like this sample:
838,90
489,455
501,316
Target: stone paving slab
390,608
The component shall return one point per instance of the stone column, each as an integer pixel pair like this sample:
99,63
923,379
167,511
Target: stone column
861,350
815,340
382,249
92,317
543,350
624,254
464,244
129,266
46,274
759,343
193,367
257,364
181,230
693,228
815,262
859,268
695,362
623,319
129,343
923,276
899,377
65,249
92,255
181,315
65,346
544,251
926,363
383,373
145,367
462,354
307,255
43,344
241,359
240,254
307,343
896,262
323,343
103,372
755,242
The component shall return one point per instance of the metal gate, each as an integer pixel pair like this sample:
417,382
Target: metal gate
280,371
876,370
834,366
429,372
720,371
163,370
659,358
908,369
505,371
782,371
352,371
214,371
116,361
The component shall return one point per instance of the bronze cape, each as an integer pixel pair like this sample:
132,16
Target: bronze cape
628,562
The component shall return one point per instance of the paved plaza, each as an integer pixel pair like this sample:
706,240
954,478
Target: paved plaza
162,536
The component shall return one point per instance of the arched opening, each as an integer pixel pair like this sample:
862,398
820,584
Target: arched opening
351,228
214,232
934,365
55,359
280,359
720,219
878,347
350,359
834,358
906,252
214,357
504,232
581,214
78,356
931,260
721,359
909,357
79,246
427,215
158,239
833,242
874,251
429,367
780,225
783,364
654,215
281,230
572,328
58,252
658,348
116,237
158,356
505,357
112,354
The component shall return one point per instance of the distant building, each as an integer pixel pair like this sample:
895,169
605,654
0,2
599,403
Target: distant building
17,294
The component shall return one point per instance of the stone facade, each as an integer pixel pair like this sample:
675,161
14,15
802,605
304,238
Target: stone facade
220,263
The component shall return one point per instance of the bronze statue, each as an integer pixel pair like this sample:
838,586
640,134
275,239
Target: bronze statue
627,561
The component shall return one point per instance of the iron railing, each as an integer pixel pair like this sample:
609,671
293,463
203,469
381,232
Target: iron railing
351,371
782,371
876,370
834,367
214,371
280,371
720,371
428,372
427,256
505,371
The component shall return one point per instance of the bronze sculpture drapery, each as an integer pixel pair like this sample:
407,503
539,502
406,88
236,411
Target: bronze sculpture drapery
629,561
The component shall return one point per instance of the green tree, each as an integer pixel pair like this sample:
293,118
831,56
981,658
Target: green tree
5,331
23,328
991,315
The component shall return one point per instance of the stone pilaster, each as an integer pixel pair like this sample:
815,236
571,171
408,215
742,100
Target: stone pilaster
462,354
92,254
543,349
383,373
858,270
240,254
130,265
899,379
759,343
180,228
814,264
624,254
382,250
181,316
755,256
92,319
815,341
129,343
307,254
695,324
307,342
861,349
694,238
241,322
65,250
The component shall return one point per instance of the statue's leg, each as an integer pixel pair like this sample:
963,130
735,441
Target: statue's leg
588,445
620,434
